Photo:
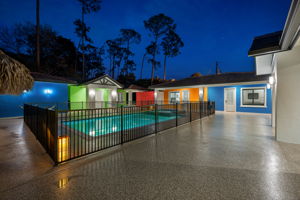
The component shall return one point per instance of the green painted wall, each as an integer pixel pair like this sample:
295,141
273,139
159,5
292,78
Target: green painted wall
77,95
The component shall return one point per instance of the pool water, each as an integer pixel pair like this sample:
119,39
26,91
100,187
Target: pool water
105,125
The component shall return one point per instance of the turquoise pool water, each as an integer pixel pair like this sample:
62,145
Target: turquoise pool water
106,125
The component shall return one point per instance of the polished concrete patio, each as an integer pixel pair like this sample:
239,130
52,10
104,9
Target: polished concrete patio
226,156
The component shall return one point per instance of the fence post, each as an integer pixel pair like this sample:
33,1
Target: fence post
155,118
214,107
200,109
122,128
176,114
56,138
190,112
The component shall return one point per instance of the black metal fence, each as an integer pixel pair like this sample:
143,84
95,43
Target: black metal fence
92,105
68,134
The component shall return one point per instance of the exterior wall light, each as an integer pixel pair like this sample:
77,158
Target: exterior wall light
201,94
63,148
48,91
201,91
92,92
114,93
271,80
268,86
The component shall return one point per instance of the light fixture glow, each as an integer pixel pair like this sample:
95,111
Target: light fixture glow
271,80
48,91
268,86
114,93
25,91
201,91
92,92
63,148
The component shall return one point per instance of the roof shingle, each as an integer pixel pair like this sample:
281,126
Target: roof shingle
265,43
233,77
49,78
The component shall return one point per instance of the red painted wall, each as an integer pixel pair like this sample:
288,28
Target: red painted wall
144,98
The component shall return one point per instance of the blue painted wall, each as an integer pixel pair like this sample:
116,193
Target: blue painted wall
10,104
217,94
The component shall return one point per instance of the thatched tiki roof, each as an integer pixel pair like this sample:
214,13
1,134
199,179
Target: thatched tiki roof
14,76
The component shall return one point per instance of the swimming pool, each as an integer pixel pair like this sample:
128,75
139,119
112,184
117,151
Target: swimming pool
105,125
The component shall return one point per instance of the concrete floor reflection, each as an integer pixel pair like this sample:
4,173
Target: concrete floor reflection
226,156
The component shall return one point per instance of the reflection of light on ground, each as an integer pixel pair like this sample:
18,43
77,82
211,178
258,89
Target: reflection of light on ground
62,183
272,163
272,176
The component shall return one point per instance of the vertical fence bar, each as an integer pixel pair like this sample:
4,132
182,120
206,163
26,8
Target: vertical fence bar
176,111
200,110
190,112
122,128
155,118
55,136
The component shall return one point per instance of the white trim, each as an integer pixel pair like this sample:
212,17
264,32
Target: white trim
234,88
253,106
291,27
245,113
135,90
214,85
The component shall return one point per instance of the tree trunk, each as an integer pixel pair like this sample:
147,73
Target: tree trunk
165,66
153,66
110,65
113,68
82,44
142,65
37,35
154,61
77,55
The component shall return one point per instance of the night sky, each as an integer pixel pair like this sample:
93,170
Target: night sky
212,30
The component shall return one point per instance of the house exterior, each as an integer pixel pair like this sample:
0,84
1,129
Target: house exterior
231,92
179,91
46,89
278,54
64,94
137,95
100,91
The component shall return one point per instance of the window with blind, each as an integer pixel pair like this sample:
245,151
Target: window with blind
253,96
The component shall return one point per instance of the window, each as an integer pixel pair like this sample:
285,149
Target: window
185,96
253,97
174,97
120,96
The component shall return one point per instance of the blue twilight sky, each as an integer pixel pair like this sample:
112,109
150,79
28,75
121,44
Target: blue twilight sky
212,30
